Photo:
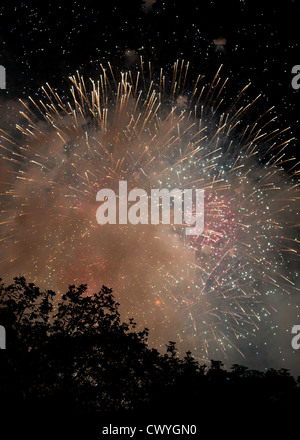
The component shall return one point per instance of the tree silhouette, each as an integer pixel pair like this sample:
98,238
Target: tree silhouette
72,354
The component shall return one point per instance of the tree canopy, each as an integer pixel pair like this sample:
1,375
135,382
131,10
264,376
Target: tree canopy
73,353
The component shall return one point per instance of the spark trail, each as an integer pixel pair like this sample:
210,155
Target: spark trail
154,130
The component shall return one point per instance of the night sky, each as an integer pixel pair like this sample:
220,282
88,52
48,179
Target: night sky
47,42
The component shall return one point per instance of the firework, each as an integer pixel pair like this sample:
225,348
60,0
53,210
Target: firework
154,130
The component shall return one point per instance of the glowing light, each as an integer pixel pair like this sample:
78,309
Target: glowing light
162,132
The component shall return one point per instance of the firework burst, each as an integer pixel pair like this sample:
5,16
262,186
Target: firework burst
154,131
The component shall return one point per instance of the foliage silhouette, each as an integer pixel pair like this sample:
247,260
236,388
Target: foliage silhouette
72,354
